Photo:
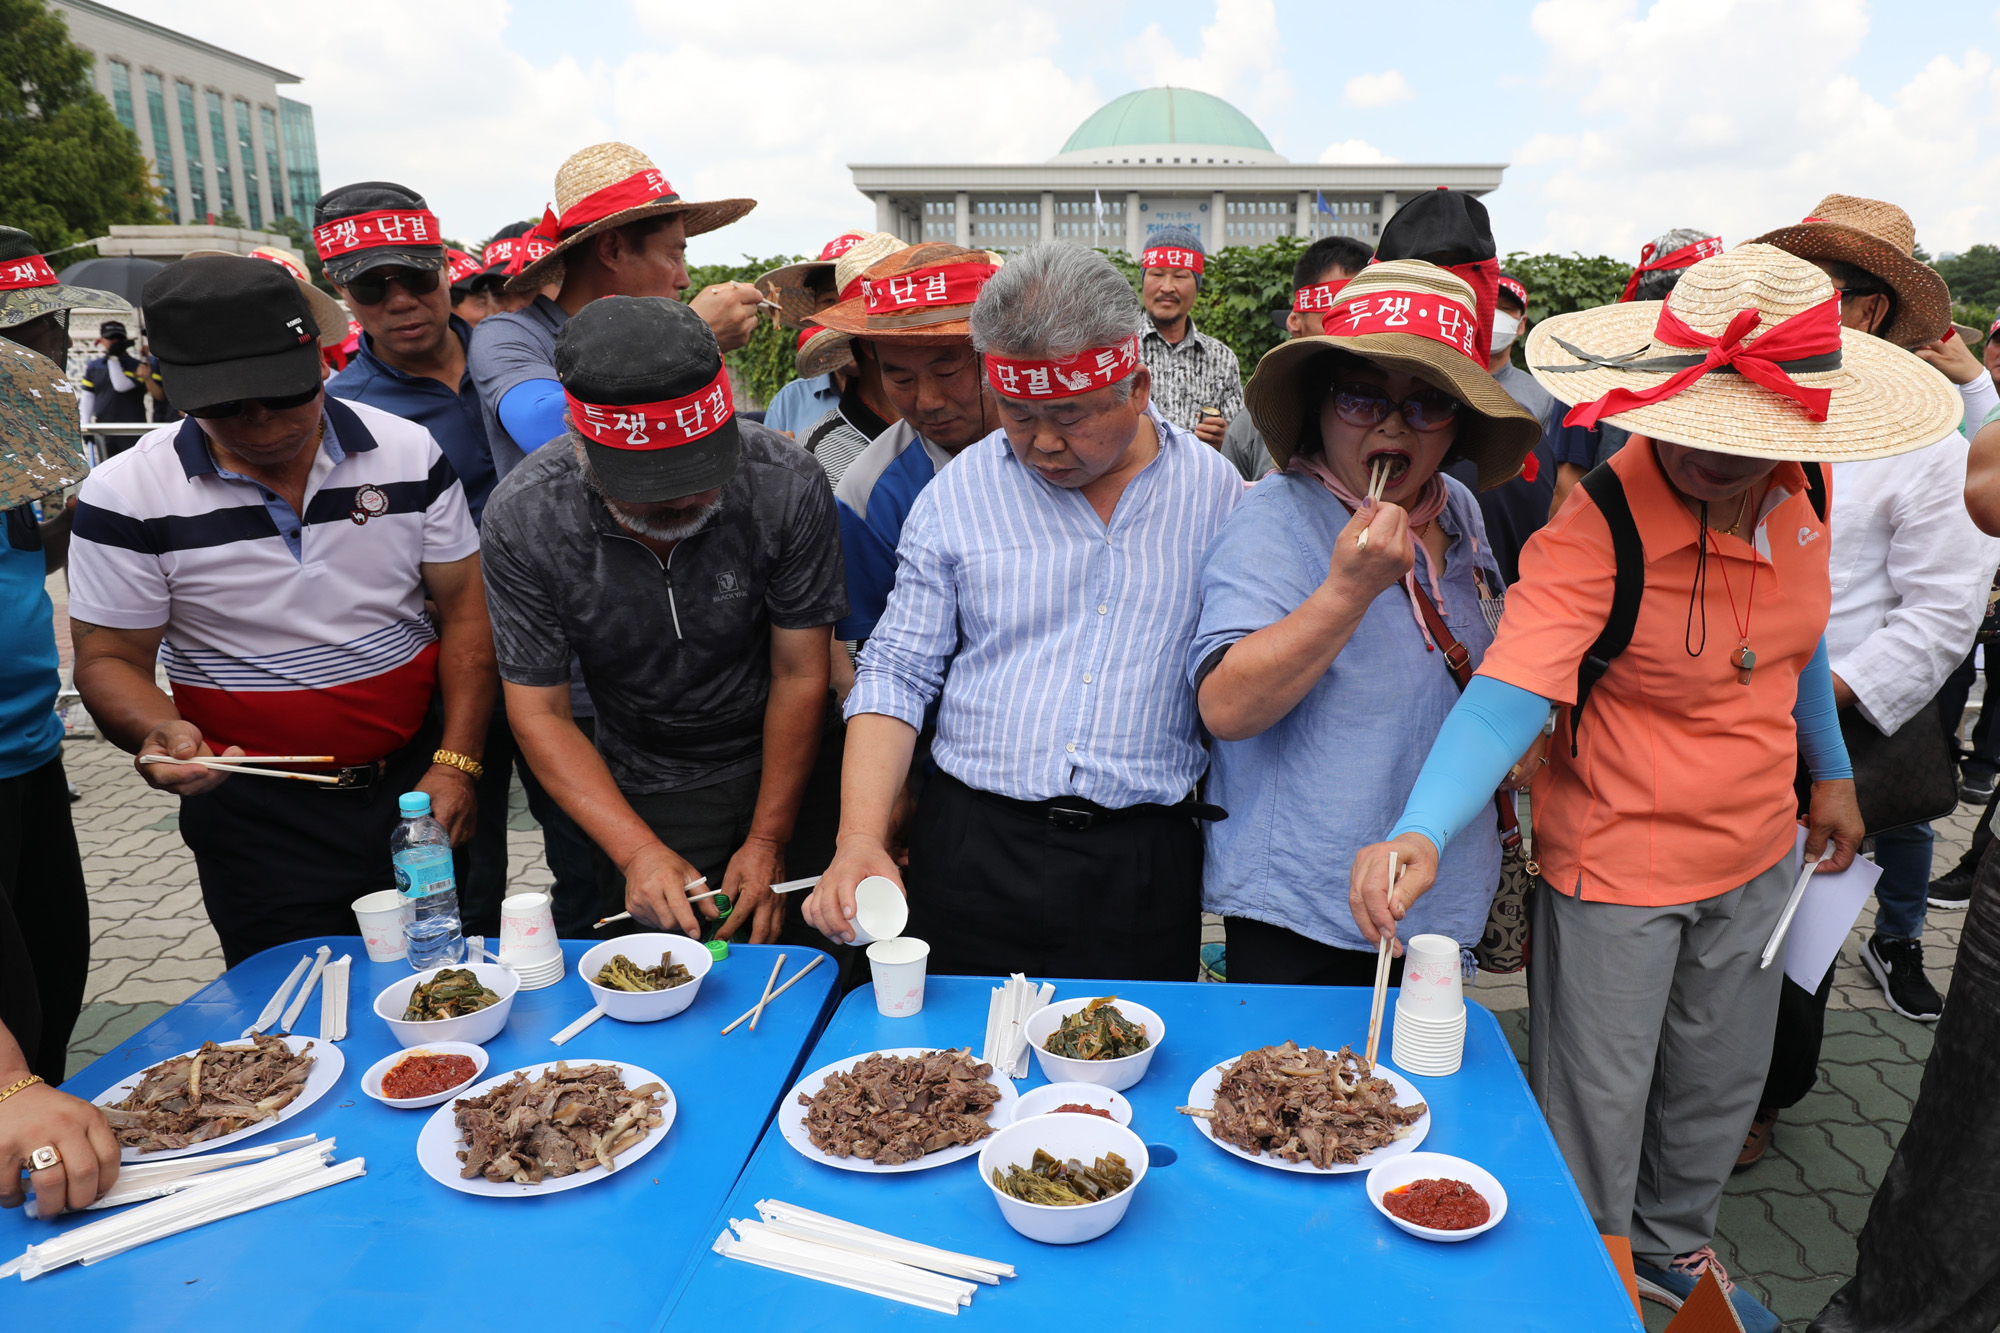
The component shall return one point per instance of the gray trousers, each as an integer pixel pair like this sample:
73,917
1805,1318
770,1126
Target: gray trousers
1649,1038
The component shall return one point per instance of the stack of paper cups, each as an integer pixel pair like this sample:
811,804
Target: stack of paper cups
528,942
1430,1009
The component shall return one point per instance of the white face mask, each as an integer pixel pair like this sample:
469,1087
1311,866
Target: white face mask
1505,326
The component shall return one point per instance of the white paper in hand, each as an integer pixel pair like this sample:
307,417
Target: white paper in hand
1827,913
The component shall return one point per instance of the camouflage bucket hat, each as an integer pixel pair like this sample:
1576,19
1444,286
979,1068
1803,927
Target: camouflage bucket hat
40,451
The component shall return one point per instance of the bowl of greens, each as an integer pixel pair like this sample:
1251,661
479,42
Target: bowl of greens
644,978
1061,1179
1102,1040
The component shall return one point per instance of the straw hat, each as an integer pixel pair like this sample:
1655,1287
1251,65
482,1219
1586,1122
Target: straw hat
602,167
796,288
1883,401
1497,435
932,323
824,349
1881,239
821,352
329,314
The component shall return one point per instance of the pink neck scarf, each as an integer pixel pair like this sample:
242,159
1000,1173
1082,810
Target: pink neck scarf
1429,504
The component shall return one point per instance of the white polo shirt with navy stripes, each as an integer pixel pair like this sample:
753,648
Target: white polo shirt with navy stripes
282,636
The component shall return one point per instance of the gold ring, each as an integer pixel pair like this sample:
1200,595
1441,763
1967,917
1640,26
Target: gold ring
44,1157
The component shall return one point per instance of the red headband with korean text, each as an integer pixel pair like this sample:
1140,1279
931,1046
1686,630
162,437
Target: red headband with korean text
1808,342
27,271
1424,314
926,295
663,425
1513,288
372,231
1094,368
458,266
1172,256
1685,257
516,252
840,245
1318,298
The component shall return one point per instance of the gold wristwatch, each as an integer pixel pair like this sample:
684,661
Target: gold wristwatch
465,763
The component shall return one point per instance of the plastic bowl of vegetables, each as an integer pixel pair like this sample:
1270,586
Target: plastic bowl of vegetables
1063,1157
651,976
1102,1040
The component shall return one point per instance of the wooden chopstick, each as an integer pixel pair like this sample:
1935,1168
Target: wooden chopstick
1381,996
776,993
758,1012
221,767
269,758
1378,478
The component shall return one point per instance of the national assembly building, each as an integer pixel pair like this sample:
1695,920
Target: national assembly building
1155,158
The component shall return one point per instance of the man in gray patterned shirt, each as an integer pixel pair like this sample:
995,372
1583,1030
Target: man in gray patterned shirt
1197,383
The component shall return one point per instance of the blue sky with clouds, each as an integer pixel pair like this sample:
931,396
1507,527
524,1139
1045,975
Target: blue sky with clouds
1621,118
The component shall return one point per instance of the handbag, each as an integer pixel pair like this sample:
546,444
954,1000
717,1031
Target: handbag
1503,945
1901,779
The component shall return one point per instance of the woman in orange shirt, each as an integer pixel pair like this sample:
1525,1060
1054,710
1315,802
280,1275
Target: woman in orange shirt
1665,818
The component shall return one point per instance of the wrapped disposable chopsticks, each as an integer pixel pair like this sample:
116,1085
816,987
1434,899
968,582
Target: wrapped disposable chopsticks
139,1181
1007,1013
298,1003
333,1000
277,1002
223,1195
826,1249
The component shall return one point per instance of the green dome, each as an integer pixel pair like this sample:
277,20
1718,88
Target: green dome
1167,116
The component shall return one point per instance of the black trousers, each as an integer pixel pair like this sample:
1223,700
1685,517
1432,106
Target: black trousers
1985,752
282,861
44,918
485,881
1929,1254
568,850
996,888
1268,955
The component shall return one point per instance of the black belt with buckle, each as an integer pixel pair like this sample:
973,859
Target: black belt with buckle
1074,814
355,777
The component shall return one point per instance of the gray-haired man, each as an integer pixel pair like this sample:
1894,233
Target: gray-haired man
1046,583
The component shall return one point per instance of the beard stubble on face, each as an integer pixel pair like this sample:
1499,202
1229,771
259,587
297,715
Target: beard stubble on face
657,522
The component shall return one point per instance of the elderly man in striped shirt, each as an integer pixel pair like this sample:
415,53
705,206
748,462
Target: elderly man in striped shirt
1046,584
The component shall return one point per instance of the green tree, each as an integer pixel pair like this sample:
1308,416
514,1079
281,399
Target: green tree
1974,277
68,169
765,364
229,217
1558,284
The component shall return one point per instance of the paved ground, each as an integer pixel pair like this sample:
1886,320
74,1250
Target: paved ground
1787,1227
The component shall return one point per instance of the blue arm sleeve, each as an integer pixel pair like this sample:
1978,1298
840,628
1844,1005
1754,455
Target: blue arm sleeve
1491,726
1818,720
532,412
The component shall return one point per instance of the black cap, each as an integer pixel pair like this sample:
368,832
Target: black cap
372,197
228,326
494,275
1445,227
111,328
623,350
18,244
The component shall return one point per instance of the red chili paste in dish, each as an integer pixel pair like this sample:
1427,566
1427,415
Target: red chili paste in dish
1087,1110
426,1075
1442,1205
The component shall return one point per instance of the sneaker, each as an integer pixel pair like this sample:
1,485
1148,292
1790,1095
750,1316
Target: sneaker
1975,787
1758,1140
1214,962
1898,966
1675,1283
1953,889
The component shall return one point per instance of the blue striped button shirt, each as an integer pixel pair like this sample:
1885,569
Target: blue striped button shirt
1056,639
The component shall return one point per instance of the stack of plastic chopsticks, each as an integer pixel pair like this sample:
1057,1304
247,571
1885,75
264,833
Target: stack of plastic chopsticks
139,1181
333,1000
1006,1019
812,1245
209,1199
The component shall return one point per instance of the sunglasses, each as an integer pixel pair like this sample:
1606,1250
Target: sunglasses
1366,405
372,287
234,406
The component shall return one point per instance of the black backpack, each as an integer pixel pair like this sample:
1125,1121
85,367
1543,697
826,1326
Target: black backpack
1628,553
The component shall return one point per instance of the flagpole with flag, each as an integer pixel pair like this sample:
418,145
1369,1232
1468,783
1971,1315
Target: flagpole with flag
1097,225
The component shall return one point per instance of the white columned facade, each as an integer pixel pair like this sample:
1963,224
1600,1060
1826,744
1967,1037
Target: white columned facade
1389,206
1218,208
961,225
1303,216
1132,224
885,215
1048,228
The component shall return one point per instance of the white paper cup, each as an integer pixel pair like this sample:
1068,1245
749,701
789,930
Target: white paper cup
1433,981
528,932
898,968
382,917
880,910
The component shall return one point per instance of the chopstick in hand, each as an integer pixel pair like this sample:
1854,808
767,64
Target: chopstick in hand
695,883
1381,995
228,766
1378,481
775,994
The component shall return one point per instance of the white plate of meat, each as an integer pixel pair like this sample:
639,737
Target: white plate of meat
581,1115
848,1115
1319,1123
269,1077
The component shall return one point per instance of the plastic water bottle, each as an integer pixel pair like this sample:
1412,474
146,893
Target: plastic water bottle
420,850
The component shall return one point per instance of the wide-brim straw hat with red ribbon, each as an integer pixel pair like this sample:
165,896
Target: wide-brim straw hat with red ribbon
798,291
1746,356
1409,315
608,185
1880,239
921,295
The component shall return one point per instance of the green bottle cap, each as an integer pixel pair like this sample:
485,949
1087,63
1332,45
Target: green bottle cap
718,949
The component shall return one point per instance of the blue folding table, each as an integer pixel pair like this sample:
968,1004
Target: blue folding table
1211,1241
396,1249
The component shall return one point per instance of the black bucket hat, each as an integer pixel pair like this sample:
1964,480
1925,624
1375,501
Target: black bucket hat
648,393
230,327
375,224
